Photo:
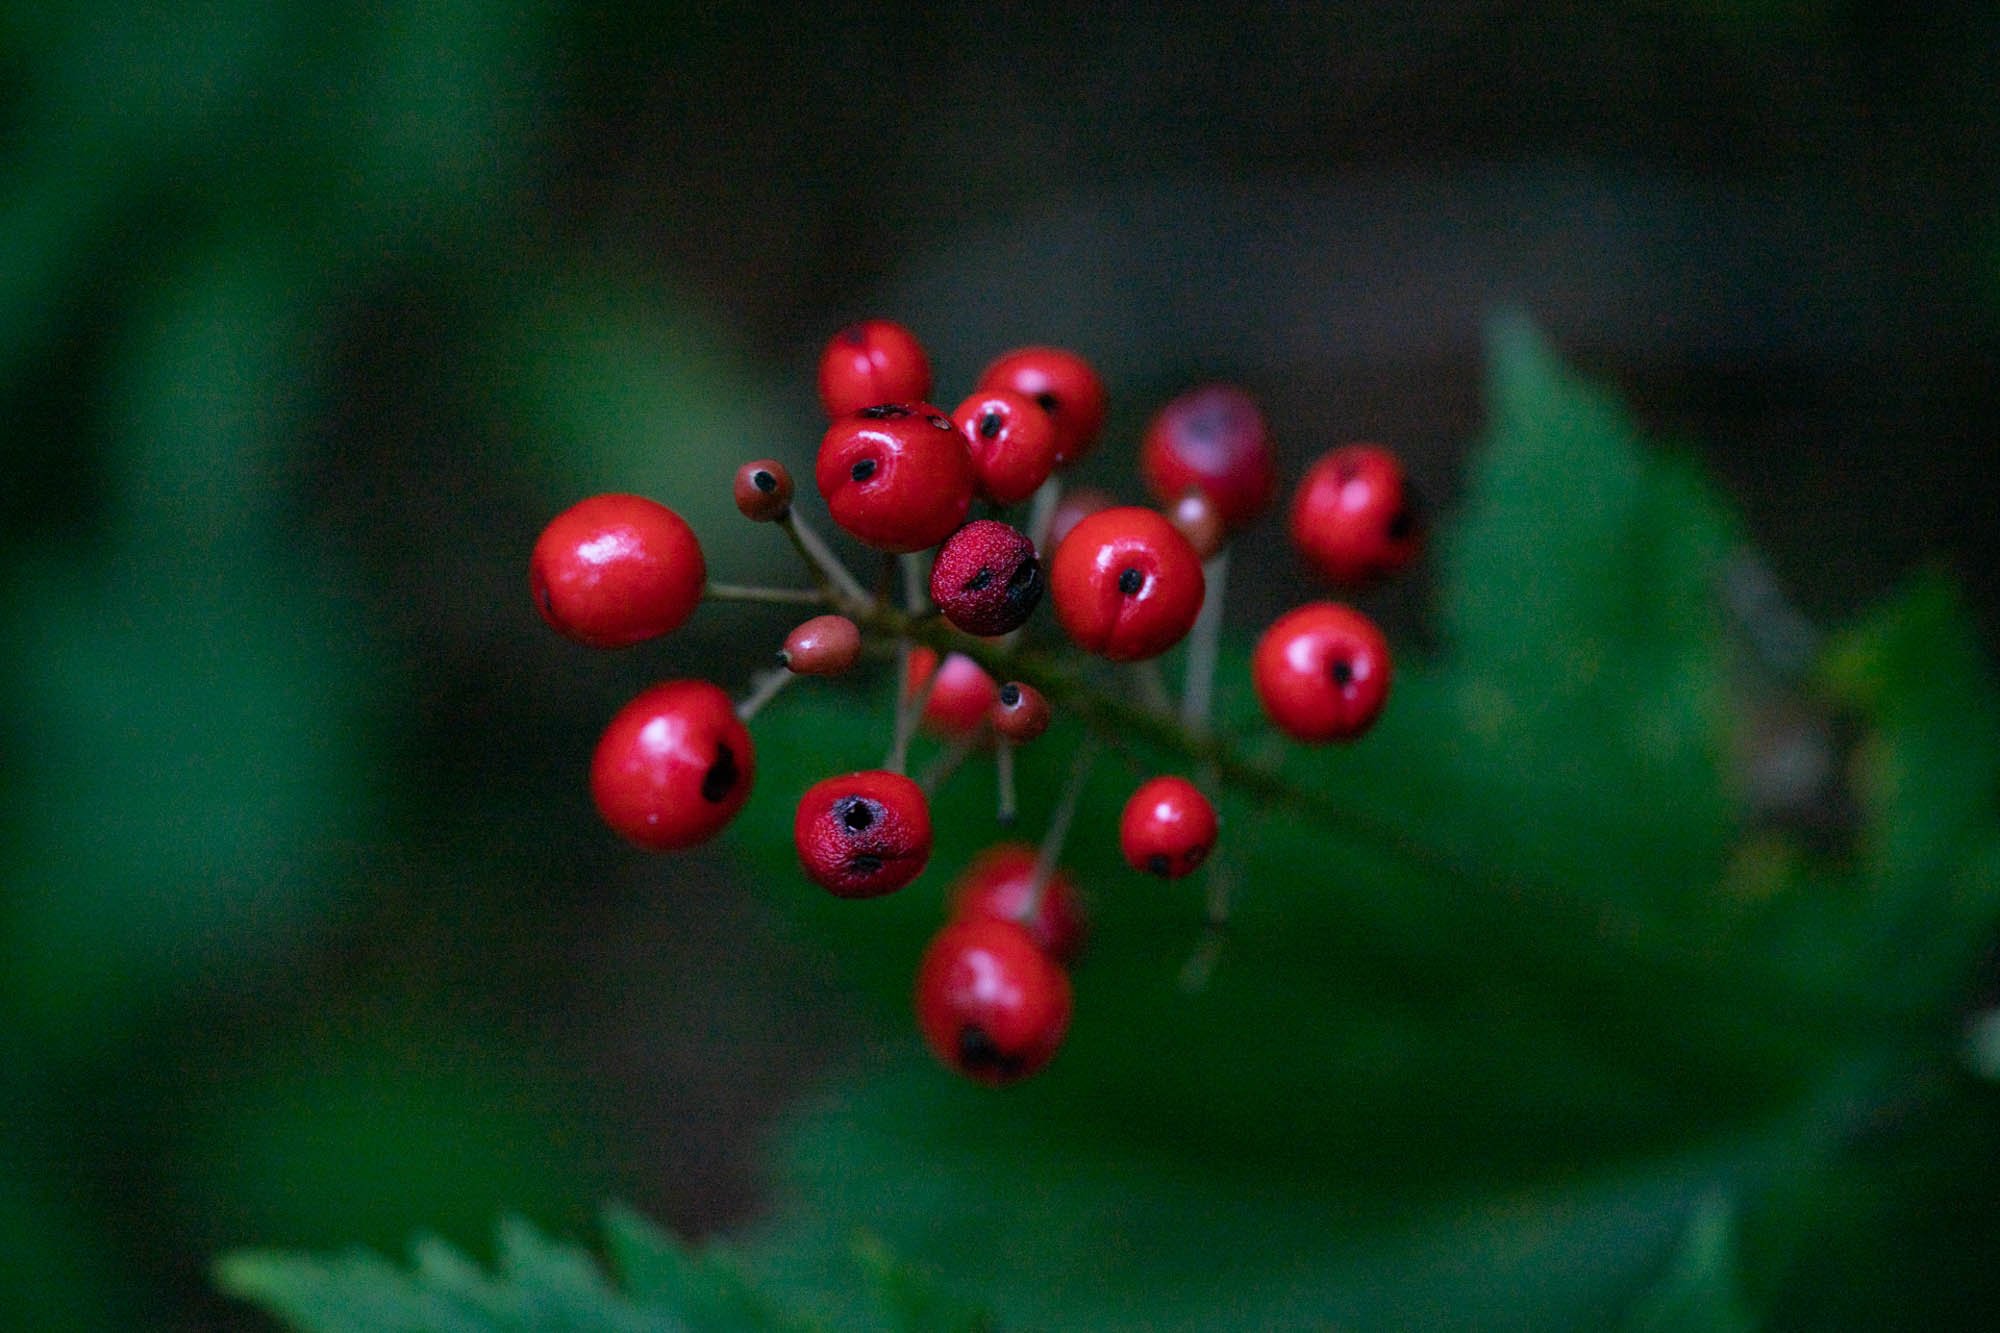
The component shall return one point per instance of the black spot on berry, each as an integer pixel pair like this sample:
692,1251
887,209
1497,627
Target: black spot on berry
884,412
1130,581
1048,401
548,603
1010,695
981,581
977,1054
866,863
763,481
862,470
1159,864
1342,671
989,425
1024,586
857,814
721,777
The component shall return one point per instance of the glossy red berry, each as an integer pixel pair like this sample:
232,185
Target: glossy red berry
861,835
872,362
1012,440
1019,712
896,475
1000,883
1322,672
990,1004
822,646
673,767
1127,585
763,490
1075,506
1214,440
1066,386
615,570
986,578
1353,517
959,698
1168,828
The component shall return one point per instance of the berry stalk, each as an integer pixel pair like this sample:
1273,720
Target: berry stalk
744,592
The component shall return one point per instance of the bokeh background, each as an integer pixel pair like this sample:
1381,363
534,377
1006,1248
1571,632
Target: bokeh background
311,315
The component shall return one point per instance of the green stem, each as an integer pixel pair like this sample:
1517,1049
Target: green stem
743,592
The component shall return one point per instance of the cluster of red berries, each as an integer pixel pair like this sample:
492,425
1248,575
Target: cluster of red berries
1128,583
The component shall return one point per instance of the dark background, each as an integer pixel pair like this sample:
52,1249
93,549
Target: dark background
309,319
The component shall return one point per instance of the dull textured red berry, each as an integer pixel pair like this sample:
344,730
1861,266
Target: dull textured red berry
1127,585
1012,441
1322,672
959,698
822,646
999,884
986,578
1214,440
1019,712
872,362
897,476
763,490
1354,519
615,570
1065,385
990,1004
674,766
1168,828
861,835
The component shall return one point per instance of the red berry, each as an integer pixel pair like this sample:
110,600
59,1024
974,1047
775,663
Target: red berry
989,1003
1067,388
896,475
1353,518
1194,515
986,578
1019,712
1322,672
673,767
1127,585
872,362
1214,440
861,835
999,884
614,570
1074,507
822,646
763,490
1168,827
1013,443
960,697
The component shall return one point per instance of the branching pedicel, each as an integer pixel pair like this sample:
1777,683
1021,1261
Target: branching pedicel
1128,583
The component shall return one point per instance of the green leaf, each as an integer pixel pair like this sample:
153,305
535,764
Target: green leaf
911,1297
1583,634
544,1286
1927,774
1699,1292
540,1285
709,1286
